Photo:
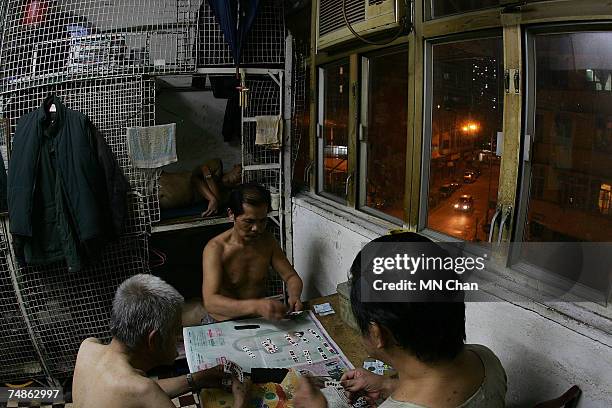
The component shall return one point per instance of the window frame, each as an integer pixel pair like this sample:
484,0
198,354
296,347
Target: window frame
428,8
362,153
514,261
320,130
427,122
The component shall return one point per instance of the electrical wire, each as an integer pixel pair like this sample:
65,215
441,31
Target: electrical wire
403,24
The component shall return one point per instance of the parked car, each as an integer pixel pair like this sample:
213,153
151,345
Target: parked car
455,186
470,176
446,191
464,203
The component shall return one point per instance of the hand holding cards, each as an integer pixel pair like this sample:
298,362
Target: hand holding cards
229,367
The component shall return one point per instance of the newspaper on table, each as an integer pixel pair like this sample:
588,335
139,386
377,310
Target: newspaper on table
300,343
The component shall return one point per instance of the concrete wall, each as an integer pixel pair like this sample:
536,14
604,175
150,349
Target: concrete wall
199,119
542,357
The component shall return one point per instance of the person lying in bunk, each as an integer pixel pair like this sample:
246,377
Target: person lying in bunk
424,340
236,263
145,323
205,184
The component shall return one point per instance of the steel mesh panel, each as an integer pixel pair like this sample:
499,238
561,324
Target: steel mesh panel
267,178
264,97
65,308
299,105
254,154
19,358
111,105
265,43
56,41
274,284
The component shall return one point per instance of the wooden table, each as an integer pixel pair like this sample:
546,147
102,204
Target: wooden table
348,339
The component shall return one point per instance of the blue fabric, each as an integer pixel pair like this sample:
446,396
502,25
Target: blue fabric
235,28
171,213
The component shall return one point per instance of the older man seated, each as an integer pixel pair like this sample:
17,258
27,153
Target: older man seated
422,340
145,323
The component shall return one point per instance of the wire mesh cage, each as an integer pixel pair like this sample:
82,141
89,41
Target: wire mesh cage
100,58
112,105
66,308
255,154
19,358
264,45
264,96
299,107
51,41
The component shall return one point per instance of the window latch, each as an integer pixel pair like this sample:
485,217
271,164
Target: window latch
307,172
505,222
348,180
527,148
517,82
319,131
507,80
363,133
494,222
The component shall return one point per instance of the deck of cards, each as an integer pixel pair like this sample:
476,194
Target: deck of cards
323,309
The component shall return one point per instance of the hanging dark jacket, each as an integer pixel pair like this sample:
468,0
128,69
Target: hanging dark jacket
91,189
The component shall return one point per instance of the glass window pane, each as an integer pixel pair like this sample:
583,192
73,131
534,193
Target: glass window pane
571,175
440,8
467,113
335,129
387,117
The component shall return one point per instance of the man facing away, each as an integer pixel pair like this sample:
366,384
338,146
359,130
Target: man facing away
145,323
236,262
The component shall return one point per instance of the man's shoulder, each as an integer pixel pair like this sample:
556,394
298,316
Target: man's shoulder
218,242
89,344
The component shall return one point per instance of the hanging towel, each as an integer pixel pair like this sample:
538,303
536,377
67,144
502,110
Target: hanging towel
269,130
152,147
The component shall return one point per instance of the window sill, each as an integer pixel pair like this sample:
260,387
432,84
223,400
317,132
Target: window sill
358,221
588,319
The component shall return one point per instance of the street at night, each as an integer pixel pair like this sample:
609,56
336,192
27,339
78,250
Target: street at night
467,225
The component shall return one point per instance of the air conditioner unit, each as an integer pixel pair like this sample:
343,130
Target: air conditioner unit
365,16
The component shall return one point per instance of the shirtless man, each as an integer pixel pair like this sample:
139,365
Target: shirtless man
205,183
145,323
236,263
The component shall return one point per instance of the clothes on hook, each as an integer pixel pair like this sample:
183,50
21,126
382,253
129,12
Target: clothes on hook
66,191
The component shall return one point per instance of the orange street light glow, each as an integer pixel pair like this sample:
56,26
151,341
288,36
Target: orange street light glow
470,127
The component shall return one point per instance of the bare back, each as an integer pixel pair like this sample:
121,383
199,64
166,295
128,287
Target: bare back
104,379
175,190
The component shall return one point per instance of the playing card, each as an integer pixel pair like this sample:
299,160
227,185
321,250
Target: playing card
229,367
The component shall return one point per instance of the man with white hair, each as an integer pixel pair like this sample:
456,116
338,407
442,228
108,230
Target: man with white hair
145,323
